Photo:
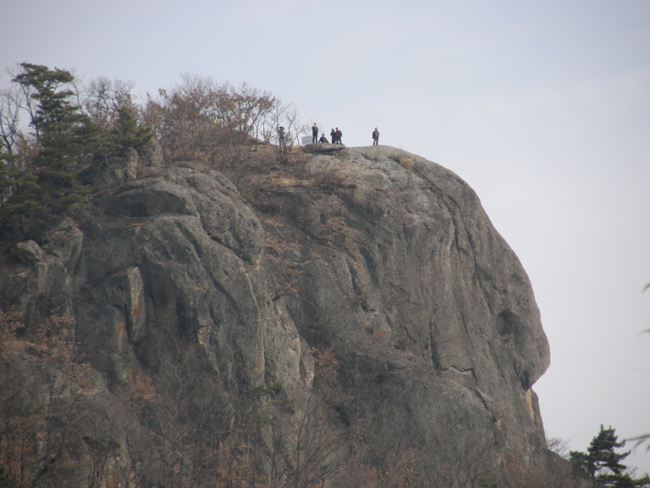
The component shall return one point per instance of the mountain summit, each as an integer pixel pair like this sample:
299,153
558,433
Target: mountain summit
340,319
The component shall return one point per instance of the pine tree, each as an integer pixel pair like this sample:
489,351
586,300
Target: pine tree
127,134
66,140
50,183
603,465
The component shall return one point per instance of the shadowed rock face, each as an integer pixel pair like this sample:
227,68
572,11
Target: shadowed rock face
382,256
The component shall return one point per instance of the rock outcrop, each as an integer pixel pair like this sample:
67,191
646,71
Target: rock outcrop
368,282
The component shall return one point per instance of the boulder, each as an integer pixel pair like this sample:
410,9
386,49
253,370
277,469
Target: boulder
368,285
323,148
28,252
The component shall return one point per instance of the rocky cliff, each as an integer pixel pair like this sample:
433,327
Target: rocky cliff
339,318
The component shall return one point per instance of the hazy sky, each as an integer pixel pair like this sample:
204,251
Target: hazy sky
542,106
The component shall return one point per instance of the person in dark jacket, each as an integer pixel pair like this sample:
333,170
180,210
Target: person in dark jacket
314,133
339,135
333,135
375,137
323,139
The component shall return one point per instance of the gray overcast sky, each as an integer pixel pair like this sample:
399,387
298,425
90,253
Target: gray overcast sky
542,106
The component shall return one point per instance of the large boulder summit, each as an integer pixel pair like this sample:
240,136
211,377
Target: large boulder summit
363,293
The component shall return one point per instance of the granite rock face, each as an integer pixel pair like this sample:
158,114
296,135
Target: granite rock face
381,259
404,275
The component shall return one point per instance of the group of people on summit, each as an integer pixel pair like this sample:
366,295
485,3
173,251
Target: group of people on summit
336,135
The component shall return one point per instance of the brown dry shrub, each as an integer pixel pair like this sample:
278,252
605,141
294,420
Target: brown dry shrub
325,364
380,334
10,324
406,162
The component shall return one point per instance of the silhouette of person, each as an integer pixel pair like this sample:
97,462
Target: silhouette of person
375,137
333,135
314,133
323,139
339,134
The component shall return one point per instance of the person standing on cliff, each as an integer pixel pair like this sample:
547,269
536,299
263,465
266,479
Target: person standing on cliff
339,135
375,137
333,135
314,133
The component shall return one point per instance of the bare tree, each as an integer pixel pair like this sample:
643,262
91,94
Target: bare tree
181,120
102,98
203,121
241,112
559,446
283,128
11,104
313,452
25,97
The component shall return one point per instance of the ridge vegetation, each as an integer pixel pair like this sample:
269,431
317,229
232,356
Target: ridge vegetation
77,131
